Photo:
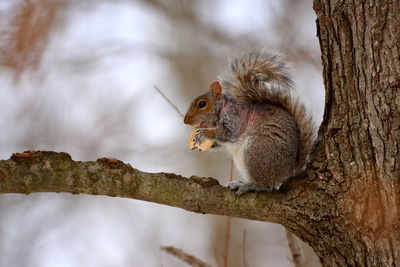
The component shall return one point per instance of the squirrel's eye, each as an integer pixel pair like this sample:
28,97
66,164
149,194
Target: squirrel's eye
202,104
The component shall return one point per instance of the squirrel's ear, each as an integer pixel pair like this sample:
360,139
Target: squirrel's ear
216,89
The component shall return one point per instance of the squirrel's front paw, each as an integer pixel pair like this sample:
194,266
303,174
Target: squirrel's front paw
198,137
199,140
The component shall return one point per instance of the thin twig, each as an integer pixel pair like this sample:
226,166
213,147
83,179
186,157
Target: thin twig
168,101
189,259
227,240
231,174
228,227
244,249
298,257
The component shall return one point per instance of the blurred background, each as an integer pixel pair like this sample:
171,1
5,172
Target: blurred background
78,76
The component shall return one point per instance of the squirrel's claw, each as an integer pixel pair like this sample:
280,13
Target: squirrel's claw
198,137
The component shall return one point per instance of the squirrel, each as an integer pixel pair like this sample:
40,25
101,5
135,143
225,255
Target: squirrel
250,112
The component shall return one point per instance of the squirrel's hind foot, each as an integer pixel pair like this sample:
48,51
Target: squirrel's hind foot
242,188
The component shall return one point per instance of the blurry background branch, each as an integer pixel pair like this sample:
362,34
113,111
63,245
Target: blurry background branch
302,254
189,259
28,35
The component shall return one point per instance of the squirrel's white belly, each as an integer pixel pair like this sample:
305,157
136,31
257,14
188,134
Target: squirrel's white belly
237,151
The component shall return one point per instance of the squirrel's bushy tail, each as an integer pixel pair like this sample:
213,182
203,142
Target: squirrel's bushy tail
262,77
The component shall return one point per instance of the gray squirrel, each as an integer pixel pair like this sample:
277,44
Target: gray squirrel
251,113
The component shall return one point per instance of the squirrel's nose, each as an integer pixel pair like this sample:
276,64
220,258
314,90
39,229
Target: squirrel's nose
185,120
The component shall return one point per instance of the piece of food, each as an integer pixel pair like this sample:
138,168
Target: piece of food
203,146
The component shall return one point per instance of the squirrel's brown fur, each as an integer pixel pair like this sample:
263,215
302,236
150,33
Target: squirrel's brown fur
263,77
252,114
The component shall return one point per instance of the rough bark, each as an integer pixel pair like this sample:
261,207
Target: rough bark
359,157
346,204
46,171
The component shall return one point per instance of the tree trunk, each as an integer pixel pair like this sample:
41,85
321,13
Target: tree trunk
359,159
346,205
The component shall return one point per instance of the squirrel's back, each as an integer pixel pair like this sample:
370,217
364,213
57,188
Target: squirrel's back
261,77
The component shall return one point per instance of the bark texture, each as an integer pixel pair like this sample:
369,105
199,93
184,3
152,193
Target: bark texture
46,171
346,205
359,157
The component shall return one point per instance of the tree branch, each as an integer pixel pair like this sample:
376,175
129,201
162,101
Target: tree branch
44,171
